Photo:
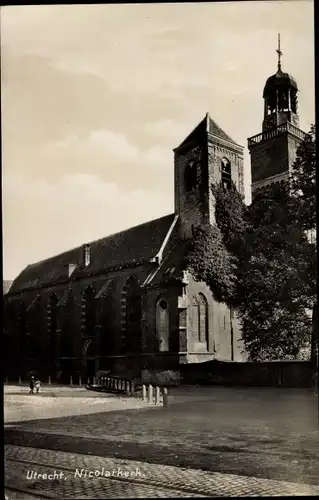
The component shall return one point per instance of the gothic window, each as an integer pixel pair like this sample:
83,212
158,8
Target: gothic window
195,319
226,173
88,312
64,347
35,324
107,307
162,324
200,319
21,330
52,326
132,310
203,319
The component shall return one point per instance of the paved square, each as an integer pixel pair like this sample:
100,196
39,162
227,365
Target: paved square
217,441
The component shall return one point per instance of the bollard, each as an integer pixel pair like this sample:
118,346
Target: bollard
7,381
49,380
150,393
144,392
157,395
80,381
71,381
94,381
20,382
132,387
88,381
165,398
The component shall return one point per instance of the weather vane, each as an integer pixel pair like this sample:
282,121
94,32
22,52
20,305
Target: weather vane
279,53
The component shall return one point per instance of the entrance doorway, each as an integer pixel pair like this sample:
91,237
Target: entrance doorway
90,369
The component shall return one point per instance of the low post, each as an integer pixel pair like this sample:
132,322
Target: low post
20,382
150,393
165,397
88,381
94,381
132,387
157,395
71,380
144,392
6,380
128,389
80,380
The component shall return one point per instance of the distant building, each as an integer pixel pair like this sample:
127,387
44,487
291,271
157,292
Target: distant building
6,286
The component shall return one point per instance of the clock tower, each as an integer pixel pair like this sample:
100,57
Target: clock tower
273,151
207,156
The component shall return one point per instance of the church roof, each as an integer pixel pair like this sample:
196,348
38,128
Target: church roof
137,244
207,125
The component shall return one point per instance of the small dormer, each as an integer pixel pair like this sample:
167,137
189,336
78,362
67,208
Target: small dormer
87,255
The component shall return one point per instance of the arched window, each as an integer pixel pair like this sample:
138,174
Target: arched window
226,173
107,309
195,318
88,312
200,319
132,316
52,326
203,318
67,312
162,324
35,316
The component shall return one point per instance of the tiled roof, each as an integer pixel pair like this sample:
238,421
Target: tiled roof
134,245
216,130
172,266
205,126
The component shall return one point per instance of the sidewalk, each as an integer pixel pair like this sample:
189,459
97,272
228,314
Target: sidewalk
131,478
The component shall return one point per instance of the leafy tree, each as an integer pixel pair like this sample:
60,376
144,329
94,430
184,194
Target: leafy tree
208,260
260,260
273,280
303,184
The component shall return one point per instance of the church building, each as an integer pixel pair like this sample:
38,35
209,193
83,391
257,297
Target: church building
124,303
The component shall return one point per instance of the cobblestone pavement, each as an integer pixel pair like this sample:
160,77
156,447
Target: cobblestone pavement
116,478
269,434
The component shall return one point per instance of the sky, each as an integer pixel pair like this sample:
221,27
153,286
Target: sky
95,98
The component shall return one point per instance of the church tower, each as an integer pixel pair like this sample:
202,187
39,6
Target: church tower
208,155
273,151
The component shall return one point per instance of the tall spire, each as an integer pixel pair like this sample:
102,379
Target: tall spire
279,53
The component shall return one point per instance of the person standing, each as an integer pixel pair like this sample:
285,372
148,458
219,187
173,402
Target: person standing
31,385
37,385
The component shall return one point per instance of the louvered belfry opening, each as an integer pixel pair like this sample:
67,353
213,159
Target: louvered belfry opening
131,317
